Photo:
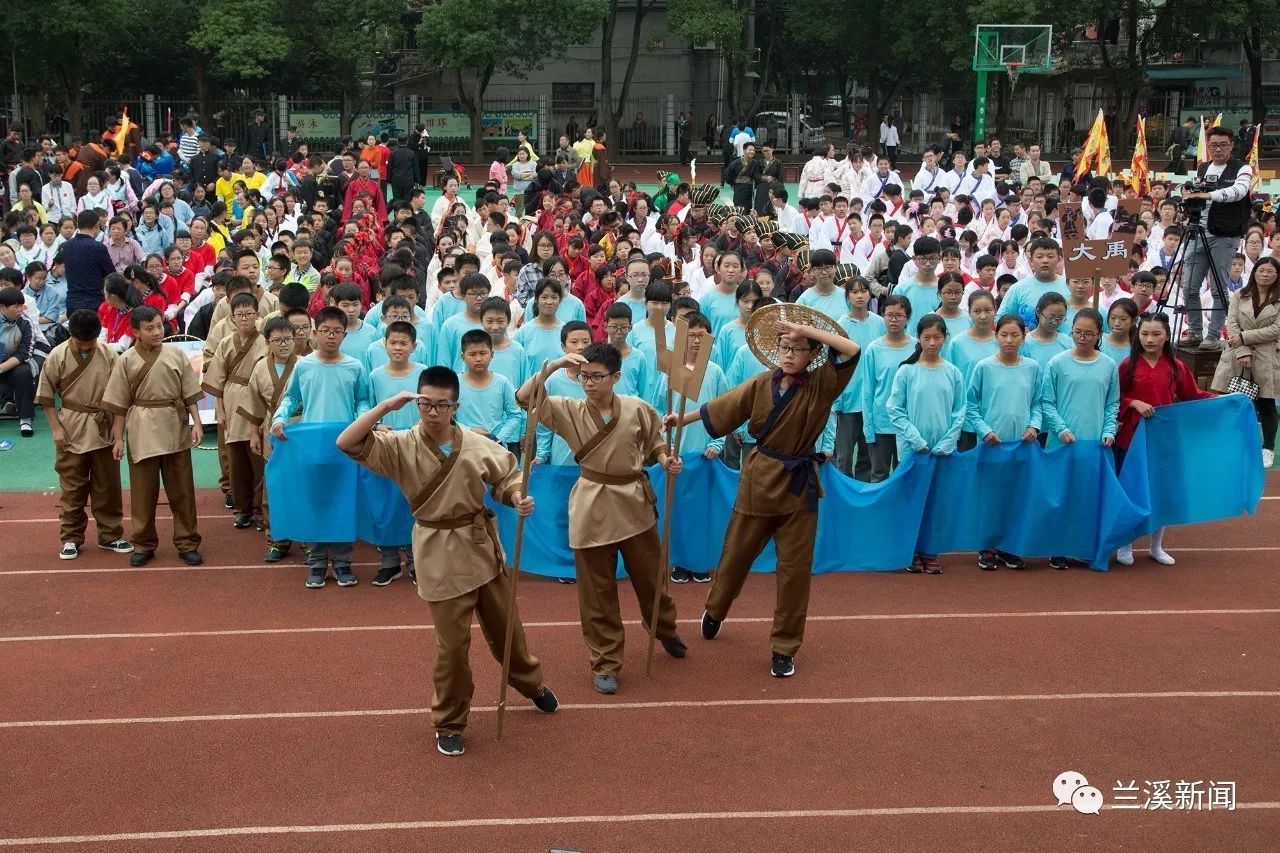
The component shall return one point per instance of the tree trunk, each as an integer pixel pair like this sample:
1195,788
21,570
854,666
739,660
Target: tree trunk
1253,54
873,96
607,111
345,117
1002,105
204,95
474,106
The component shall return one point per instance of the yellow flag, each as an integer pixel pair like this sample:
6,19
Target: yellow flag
1202,146
123,132
1253,158
1140,178
1096,156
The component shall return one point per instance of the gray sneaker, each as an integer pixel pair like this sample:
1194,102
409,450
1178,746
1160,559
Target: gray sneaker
449,744
606,684
316,578
345,576
1210,345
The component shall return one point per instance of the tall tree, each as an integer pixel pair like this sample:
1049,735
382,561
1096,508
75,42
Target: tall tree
477,38
242,39
612,109
731,25
1254,24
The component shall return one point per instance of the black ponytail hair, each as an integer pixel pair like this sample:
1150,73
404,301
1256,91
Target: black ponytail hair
927,322
1135,351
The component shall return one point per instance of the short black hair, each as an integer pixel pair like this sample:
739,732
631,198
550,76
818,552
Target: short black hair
474,281
605,354
243,300
475,336
439,377
570,327
496,303
84,325
698,320
403,328
277,324
294,295
331,312
142,314
345,292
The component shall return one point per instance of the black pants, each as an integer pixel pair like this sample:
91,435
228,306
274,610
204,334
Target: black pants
966,441
22,385
1266,408
884,456
853,456
891,151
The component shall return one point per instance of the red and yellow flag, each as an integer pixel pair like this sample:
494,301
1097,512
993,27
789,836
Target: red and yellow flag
1253,158
1140,176
1096,156
123,133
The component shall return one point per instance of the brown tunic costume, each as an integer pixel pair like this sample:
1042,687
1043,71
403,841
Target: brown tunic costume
262,397
86,469
227,377
461,565
611,511
153,389
778,489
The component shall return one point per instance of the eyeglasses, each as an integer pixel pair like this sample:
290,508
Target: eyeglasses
1053,319
1083,334
1220,144
245,315
331,333
276,342
789,350
438,408
618,330
593,378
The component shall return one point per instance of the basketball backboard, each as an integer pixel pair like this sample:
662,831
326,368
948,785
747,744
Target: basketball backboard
1026,47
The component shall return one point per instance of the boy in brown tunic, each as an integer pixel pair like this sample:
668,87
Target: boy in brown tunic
153,393
77,372
778,491
266,386
443,470
220,329
612,506
227,379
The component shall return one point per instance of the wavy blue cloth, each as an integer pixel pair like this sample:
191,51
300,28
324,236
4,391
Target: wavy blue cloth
1189,463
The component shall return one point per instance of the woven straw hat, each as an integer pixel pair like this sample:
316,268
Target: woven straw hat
763,332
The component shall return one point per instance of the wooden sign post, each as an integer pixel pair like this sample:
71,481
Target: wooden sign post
1092,259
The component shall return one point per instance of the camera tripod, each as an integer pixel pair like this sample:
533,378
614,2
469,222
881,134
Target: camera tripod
1193,233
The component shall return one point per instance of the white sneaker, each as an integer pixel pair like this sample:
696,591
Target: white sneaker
1268,458
69,551
1162,556
1124,556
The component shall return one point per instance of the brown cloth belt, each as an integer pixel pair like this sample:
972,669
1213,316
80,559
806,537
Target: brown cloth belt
177,405
621,480
481,524
237,380
101,418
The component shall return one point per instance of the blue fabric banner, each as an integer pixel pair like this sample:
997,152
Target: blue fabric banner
1189,463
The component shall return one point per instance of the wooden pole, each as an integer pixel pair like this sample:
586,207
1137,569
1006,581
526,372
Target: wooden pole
528,447
664,550
1097,289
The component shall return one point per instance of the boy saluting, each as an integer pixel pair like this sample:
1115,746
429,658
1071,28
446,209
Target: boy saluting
153,393
443,470
612,506
786,410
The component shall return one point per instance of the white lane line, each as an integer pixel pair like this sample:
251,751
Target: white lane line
605,705
563,820
854,617
54,518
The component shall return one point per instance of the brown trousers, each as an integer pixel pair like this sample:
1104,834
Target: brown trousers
224,462
246,479
597,570
746,537
266,505
144,495
452,618
93,478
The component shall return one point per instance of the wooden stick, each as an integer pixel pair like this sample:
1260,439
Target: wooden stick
529,447
664,550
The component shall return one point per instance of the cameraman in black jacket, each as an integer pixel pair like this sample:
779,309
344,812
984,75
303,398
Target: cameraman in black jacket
1227,211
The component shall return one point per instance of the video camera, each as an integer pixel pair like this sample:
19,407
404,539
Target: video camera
1193,208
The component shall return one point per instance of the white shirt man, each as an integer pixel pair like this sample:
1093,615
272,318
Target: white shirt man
58,198
952,179
878,180
930,177
840,235
1100,227
979,185
788,218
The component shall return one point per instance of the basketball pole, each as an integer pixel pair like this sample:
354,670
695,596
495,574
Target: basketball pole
980,108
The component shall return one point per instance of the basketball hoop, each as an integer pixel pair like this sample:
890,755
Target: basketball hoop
1013,69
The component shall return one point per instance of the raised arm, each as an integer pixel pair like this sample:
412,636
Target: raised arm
353,437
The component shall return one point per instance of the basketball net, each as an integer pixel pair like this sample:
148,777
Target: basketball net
1013,72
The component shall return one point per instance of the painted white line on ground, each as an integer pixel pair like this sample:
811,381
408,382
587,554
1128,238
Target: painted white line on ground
287,564
54,518
563,820
748,620
605,705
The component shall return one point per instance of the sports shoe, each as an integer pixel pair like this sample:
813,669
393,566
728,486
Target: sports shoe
987,561
120,546
25,429
1161,556
69,551
679,575
316,577
1208,345
413,577
784,666
916,566
191,558
546,701
1059,563
1268,458
1192,339
606,684
9,408
710,627
141,558
1124,556
345,576
930,566
386,575
700,577
675,647
227,501
242,522
275,554
567,581
1010,561
449,744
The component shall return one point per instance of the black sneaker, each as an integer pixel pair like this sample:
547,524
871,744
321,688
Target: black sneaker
242,522
710,627
1011,561
449,744
1192,340
1059,563
227,501
141,558
120,546
606,684
413,577
546,701
385,576
675,647
345,576
26,430
784,666
191,558
316,577
679,575
987,561
701,577
567,581
275,554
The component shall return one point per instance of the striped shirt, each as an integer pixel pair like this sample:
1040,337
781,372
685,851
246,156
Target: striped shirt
188,145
